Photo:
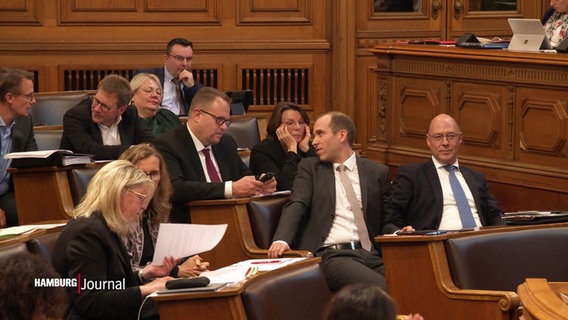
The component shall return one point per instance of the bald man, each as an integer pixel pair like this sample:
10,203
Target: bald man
422,194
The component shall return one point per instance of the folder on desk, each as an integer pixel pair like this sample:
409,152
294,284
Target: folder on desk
47,158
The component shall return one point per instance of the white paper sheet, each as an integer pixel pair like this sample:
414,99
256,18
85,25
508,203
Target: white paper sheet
181,240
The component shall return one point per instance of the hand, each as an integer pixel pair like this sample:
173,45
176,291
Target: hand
289,144
246,187
153,271
407,229
414,317
269,186
305,143
2,219
277,249
192,267
156,285
186,77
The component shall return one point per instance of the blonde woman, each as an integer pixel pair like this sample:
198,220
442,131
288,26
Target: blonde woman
91,251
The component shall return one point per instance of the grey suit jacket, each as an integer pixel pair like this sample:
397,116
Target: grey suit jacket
417,196
307,219
186,171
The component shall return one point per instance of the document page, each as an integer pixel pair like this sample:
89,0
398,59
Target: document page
181,240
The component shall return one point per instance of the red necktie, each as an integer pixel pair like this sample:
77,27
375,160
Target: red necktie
213,175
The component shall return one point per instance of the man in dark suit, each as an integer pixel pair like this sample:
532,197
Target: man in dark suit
104,125
177,72
16,133
321,218
422,192
202,160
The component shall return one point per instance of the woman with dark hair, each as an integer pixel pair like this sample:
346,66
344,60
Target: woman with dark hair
140,242
287,142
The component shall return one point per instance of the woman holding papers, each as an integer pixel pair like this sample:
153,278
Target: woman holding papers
287,142
141,241
90,255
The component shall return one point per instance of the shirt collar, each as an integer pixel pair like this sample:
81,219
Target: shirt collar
350,163
439,165
198,145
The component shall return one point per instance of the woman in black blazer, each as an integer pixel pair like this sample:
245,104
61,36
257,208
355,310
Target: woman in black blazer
287,142
91,255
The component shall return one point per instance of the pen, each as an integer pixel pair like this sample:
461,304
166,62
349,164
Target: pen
265,262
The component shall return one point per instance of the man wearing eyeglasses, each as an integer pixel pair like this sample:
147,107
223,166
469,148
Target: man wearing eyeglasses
202,160
426,196
16,132
104,124
176,76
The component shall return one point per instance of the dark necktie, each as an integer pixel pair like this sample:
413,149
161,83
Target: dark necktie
213,175
355,207
179,96
461,200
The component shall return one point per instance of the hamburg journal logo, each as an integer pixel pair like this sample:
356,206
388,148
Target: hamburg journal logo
80,283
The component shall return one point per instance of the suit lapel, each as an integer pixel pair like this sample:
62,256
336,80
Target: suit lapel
364,182
220,153
191,152
432,175
470,181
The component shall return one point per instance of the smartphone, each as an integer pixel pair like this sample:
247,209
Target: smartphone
267,176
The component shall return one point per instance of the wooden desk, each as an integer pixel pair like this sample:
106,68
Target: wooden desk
511,107
541,300
223,304
238,242
419,279
43,193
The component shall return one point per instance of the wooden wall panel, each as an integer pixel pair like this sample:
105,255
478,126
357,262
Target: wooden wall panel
275,11
20,12
139,12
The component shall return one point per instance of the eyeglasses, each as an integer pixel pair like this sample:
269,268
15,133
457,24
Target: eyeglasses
149,90
95,102
154,175
141,197
294,123
30,96
219,120
181,58
439,137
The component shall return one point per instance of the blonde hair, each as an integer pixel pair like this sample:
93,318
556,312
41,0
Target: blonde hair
160,203
137,81
105,190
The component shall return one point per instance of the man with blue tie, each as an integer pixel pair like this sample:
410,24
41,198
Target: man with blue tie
440,193
177,77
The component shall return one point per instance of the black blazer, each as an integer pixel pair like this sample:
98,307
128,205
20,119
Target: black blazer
417,196
188,93
268,156
82,135
87,247
307,219
186,172
23,138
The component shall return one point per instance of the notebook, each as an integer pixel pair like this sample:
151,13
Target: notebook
528,35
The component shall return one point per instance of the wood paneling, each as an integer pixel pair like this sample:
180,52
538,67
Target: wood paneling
20,12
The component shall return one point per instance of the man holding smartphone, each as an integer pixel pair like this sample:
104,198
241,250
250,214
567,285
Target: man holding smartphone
202,160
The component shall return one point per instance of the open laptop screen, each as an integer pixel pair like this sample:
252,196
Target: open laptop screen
528,35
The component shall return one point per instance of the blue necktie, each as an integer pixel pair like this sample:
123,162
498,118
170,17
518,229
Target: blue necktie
461,200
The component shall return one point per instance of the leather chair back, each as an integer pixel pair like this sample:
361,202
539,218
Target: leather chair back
48,139
264,215
44,245
299,294
245,131
79,180
503,260
12,249
49,109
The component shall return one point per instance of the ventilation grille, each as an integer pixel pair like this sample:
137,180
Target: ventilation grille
271,86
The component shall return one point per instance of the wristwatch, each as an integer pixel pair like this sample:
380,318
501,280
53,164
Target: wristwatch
141,275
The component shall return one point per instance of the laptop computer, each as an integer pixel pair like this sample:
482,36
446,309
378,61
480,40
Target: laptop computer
528,35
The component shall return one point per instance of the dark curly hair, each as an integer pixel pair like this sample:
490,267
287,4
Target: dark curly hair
20,298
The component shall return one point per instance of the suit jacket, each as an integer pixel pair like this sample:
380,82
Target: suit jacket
82,135
417,196
87,247
186,171
22,138
307,219
268,156
188,93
